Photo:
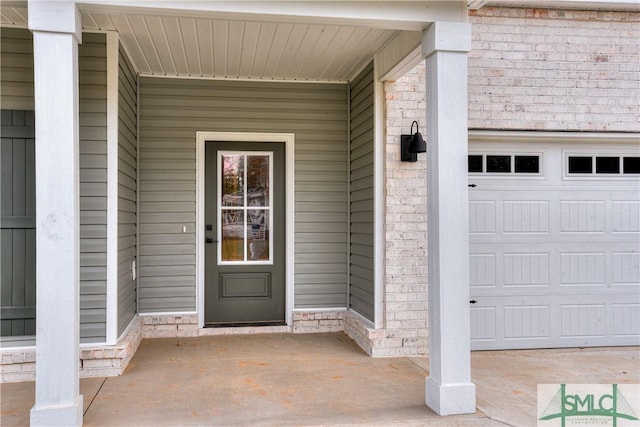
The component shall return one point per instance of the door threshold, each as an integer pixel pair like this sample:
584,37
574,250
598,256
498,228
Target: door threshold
243,324
245,328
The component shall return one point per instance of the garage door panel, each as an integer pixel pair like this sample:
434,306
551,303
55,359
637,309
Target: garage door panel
533,294
554,258
482,267
582,320
553,267
522,321
626,319
579,240
572,320
495,210
626,216
582,268
532,343
525,216
511,319
582,216
626,267
483,324
482,217
526,269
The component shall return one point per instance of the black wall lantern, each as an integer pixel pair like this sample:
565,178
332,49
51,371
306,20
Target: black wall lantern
411,145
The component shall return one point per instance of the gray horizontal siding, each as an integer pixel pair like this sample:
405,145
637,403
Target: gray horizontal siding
16,92
171,111
92,63
16,78
361,271
127,189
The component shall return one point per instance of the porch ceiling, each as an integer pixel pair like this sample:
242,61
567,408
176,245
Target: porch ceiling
241,49
232,46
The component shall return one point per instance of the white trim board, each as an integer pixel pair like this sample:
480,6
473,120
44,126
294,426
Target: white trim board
379,157
387,14
242,79
544,136
111,321
289,140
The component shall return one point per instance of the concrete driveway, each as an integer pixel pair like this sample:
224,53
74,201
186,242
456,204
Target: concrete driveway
315,379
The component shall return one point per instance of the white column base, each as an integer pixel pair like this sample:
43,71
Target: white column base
58,415
450,399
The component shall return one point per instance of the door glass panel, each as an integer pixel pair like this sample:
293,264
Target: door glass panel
244,207
258,234
258,180
232,235
232,180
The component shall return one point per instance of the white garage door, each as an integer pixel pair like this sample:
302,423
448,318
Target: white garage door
555,244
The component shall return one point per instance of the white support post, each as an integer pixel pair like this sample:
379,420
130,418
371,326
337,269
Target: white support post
56,34
112,187
449,389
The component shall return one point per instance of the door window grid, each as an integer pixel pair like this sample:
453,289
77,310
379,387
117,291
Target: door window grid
504,164
245,219
592,165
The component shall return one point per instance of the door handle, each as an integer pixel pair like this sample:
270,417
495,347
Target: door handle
210,240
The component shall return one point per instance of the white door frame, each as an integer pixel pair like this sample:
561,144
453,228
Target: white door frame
289,141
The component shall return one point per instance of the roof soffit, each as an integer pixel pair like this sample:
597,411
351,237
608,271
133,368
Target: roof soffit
323,41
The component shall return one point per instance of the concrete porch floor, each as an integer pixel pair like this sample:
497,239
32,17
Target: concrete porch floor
315,379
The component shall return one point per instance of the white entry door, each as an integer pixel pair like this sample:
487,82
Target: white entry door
554,245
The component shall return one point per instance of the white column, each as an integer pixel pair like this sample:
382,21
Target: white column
449,389
113,50
56,34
